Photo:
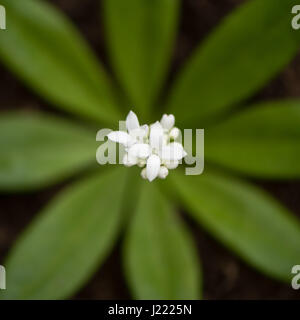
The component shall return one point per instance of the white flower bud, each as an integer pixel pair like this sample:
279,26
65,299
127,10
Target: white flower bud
153,148
129,161
174,133
172,164
141,163
145,127
163,172
167,121
144,173
165,139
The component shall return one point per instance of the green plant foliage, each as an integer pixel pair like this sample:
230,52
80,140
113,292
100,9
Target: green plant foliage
39,149
140,36
244,218
263,141
237,59
160,258
68,240
46,51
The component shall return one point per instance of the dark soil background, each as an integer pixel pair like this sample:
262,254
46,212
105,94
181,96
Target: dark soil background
225,276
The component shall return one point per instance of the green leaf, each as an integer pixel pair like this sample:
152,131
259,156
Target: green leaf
237,59
38,150
68,240
263,141
245,219
42,47
160,258
140,35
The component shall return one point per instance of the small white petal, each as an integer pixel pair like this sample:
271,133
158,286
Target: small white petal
153,166
132,121
173,151
172,164
174,133
141,163
121,137
140,150
156,136
138,134
166,139
129,161
144,173
167,121
163,172
145,127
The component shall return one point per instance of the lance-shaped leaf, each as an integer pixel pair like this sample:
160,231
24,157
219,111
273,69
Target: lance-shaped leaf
245,219
43,48
68,241
140,36
38,150
237,59
263,141
160,258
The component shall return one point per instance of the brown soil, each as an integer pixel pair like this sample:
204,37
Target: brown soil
225,276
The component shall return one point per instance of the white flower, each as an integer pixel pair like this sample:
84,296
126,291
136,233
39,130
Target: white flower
129,161
140,150
135,134
144,173
153,166
167,121
174,133
157,136
173,164
151,147
172,152
163,172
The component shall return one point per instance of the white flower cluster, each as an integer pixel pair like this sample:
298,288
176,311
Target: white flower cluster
153,148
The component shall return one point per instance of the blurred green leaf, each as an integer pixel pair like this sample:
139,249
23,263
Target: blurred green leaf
68,241
160,258
245,219
39,149
131,194
263,141
242,55
140,36
44,49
